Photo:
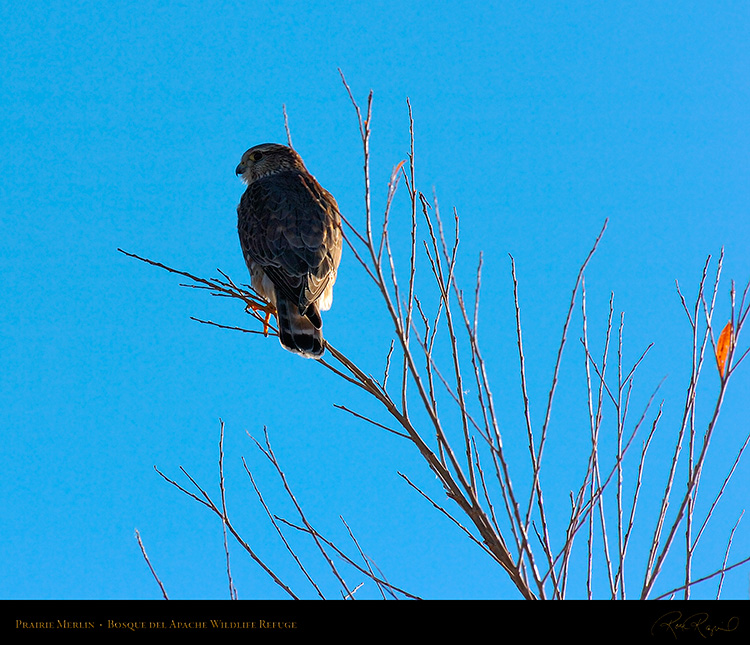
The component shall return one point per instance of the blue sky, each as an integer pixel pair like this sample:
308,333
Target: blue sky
122,124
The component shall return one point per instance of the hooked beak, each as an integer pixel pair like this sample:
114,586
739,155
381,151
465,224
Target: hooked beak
240,169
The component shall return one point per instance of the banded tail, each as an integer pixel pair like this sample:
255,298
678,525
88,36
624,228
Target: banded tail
301,334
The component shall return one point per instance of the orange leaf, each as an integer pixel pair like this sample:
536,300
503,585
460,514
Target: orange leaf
722,347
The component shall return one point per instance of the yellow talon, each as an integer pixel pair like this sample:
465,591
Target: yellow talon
265,322
269,310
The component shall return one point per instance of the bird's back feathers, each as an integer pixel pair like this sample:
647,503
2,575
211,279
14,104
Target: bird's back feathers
290,232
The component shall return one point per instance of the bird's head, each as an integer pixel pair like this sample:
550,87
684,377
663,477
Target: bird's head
267,159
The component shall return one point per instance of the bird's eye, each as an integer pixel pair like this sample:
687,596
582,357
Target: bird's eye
256,156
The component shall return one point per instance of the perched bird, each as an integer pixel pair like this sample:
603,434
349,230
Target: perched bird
290,233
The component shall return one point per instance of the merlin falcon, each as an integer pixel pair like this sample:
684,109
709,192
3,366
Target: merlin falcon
290,233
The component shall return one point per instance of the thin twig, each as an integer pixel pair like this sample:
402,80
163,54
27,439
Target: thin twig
148,562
